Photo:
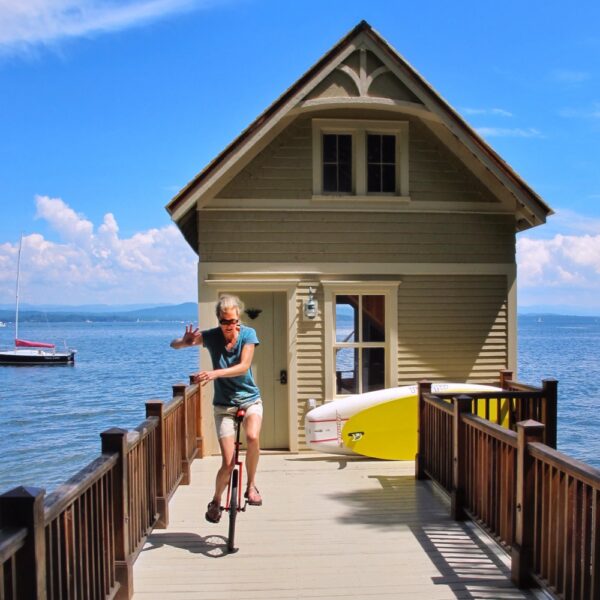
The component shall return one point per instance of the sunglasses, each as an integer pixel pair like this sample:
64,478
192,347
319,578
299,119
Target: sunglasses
228,321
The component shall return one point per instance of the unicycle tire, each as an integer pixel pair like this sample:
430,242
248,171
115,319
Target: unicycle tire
233,510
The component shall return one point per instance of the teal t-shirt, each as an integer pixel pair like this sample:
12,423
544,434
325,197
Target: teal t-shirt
231,391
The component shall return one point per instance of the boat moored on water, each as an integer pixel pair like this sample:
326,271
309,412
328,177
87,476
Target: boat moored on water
36,353
26,352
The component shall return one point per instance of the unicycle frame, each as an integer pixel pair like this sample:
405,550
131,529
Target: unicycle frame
235,503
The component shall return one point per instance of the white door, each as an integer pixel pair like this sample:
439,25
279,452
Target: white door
266,313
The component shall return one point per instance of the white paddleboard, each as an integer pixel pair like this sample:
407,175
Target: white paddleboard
324,425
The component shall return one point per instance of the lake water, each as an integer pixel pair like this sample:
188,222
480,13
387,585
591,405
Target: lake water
51,417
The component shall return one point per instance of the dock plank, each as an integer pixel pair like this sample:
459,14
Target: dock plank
330,527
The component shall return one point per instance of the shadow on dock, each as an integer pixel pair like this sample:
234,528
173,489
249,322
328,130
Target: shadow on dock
470,564
211,546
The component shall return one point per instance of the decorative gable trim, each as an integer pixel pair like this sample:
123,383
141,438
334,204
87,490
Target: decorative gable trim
531,209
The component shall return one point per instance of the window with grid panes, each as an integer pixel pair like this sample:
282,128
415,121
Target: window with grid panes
381,163
359,346
337,163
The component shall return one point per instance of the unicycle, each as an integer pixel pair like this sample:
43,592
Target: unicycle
234,503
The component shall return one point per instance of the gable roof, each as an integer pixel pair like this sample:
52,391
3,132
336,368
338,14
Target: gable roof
533,210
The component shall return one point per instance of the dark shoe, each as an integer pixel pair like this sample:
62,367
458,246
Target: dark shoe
213,514
253,496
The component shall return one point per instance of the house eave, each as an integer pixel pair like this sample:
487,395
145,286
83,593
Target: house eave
532,209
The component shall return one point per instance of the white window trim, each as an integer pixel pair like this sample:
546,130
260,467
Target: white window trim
359,129
389,289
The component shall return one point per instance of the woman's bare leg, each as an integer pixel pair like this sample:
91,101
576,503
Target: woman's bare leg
252,425
227,445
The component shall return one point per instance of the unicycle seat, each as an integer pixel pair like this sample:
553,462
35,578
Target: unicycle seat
240,414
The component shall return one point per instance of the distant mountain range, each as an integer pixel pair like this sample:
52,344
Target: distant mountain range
188,311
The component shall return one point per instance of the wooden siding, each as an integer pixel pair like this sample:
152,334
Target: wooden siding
310,353
313,236
436,174
283,170
438,315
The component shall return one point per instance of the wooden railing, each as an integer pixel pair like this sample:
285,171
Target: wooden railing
542,506
564,541
81,541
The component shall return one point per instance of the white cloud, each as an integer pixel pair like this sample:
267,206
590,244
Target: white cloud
592,112
561,271
567,222
28,23
504,132
562,260
569,76
73,227
95,265
499,112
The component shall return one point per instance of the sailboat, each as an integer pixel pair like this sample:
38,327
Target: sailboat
27,352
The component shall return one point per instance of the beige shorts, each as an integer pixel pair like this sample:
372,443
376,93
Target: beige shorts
224,417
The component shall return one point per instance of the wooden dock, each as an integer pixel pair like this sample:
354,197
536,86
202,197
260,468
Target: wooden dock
330,527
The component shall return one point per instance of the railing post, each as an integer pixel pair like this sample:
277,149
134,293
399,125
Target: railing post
505,375
114,441
424,388
550,410
180,390
522,548
24,507
462,405
155,408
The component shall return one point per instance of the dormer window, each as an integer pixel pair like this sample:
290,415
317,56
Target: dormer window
337,163
360,159
381,163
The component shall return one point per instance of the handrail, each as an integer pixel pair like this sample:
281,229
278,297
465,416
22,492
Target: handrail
519,395
563,529
576,468
539,503
12,539
12,542
510,405
516,386
172,405
65,494
145,426
82,539
437,401
497,431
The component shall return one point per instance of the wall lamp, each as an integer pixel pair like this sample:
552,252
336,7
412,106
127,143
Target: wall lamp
311,307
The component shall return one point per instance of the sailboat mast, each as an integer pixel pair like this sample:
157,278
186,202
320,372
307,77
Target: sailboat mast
17,294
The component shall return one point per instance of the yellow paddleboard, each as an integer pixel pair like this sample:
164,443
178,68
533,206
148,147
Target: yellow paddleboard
389,430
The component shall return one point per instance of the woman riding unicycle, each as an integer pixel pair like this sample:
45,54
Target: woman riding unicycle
231,347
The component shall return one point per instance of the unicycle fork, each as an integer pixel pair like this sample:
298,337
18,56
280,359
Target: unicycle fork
234,502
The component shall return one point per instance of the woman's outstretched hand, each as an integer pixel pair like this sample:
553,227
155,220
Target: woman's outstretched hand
191,337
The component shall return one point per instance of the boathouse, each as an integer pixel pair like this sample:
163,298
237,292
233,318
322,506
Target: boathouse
369,231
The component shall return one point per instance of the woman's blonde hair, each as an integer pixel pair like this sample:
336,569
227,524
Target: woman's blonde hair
226,302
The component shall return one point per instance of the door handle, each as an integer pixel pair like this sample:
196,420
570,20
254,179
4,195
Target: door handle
283,376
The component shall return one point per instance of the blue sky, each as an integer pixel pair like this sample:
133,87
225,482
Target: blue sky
108,108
